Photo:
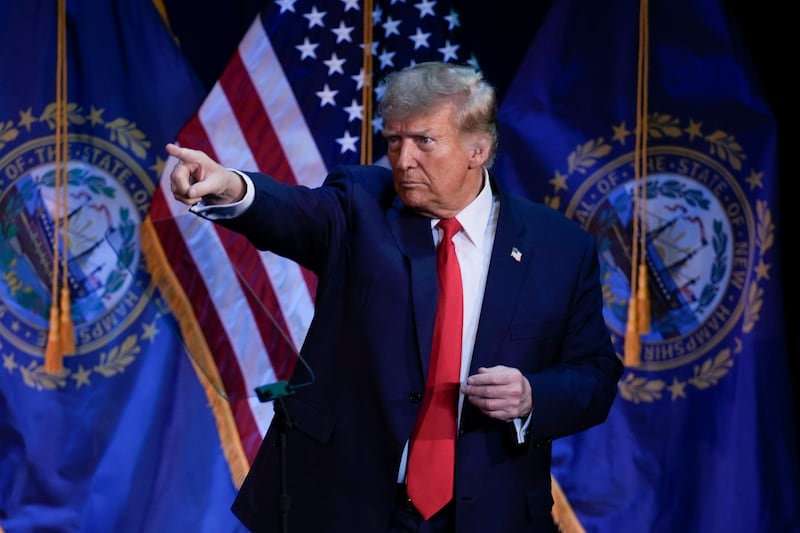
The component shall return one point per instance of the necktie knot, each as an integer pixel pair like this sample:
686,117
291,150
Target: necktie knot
450,226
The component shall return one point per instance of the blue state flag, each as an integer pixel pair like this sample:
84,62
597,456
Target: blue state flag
701,435
125,438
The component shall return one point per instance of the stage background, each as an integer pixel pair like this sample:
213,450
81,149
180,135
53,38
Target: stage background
210,31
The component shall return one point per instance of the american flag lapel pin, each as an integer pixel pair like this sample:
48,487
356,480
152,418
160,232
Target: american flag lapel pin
516,254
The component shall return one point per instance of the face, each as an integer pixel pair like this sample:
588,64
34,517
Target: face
437,170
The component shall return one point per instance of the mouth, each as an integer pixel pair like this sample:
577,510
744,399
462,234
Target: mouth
405,188
406,180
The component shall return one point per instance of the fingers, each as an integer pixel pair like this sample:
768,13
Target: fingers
174,150
180,188
191,168
499,392
185,155
180,177
181,182
197,177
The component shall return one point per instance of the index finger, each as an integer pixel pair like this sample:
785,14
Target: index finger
482,378
177,151
496,375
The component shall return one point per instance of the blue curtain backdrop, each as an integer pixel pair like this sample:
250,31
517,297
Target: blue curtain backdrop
118,452
501,35
123,439
700,437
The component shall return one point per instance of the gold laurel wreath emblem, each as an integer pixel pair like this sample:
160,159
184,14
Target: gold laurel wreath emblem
117,358
723,147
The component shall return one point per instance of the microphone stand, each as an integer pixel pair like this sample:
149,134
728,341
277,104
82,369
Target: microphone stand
278,391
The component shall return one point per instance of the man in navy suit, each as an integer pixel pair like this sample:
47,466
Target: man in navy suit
537,361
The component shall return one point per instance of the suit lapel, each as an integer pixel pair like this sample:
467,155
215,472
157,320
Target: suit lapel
511,253
415,240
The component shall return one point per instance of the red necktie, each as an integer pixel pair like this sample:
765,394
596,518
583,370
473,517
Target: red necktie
431,460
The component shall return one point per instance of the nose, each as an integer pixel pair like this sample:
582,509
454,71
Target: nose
405,155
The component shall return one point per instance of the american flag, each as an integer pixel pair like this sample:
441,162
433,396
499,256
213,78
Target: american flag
289,104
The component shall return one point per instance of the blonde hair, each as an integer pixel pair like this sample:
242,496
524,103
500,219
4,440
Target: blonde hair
417,89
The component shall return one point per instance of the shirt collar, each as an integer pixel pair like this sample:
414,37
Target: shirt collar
475,217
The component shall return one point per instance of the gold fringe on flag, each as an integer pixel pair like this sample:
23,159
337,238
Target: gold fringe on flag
200,354
639,302
162,10
562,512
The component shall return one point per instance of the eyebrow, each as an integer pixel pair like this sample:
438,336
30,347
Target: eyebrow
421,133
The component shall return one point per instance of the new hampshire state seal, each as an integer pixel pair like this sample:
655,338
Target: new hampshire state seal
107,195
707,247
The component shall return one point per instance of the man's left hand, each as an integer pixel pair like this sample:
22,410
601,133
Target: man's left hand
499,392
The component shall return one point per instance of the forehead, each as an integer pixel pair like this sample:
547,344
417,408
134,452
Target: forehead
437,119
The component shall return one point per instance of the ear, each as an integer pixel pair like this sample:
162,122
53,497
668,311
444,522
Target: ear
478,152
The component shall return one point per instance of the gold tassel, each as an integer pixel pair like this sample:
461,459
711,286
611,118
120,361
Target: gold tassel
61,337
633,342
53,358
643,301
67,333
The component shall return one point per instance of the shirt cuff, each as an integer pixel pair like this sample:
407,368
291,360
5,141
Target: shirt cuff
224,211
521,426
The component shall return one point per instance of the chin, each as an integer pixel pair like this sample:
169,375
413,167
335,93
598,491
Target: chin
410,199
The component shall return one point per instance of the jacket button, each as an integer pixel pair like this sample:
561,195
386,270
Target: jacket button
415,397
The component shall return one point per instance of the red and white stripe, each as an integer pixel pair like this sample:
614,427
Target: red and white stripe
254,308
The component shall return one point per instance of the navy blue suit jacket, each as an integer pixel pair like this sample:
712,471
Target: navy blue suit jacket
369,344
